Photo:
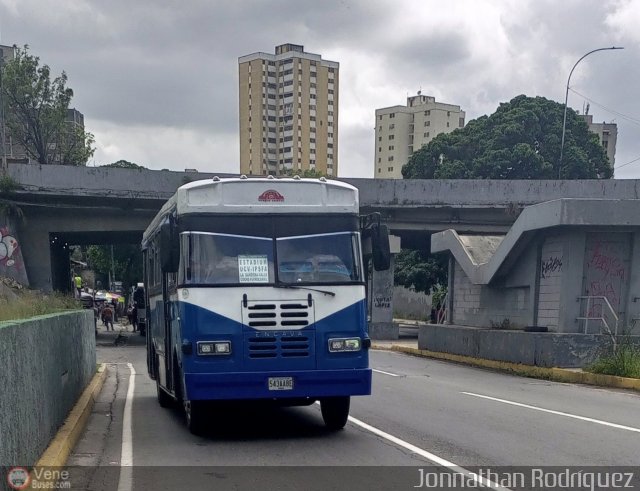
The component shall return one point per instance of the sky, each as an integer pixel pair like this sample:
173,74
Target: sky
157,80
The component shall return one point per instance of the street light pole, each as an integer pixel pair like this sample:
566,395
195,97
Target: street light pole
566,98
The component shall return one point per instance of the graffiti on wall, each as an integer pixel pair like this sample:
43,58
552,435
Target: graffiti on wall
550,266
382,301
11,262
606,273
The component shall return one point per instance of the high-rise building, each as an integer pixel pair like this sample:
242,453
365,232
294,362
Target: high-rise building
401,130
607,134
288,112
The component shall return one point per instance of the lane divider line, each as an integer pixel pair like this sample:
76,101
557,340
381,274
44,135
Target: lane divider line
125,482
429,456
559,413
386,373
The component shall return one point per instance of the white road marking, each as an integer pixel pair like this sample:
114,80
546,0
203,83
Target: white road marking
429,456
125,483
559,413
386,373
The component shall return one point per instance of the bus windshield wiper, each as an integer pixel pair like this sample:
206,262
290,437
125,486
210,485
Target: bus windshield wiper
297,287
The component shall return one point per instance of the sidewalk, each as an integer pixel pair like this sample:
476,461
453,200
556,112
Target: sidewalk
408,344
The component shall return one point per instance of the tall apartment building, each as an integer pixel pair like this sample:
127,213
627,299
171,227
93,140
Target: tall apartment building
288,112
607,134
401,130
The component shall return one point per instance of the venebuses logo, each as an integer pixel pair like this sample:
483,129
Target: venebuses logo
271,195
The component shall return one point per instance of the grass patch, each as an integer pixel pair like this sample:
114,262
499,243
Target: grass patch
624,361
29,303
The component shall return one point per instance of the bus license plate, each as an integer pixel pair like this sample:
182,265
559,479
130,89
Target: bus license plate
280,383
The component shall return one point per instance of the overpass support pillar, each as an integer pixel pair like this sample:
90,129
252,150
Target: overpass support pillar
381,298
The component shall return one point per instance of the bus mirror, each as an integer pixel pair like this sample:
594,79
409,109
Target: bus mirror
380,247
168,248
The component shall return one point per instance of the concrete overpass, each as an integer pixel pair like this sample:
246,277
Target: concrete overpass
102,205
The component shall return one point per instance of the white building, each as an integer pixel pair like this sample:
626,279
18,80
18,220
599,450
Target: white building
607,134
400,130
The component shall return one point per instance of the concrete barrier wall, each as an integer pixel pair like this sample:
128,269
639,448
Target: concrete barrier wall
544,349
45,363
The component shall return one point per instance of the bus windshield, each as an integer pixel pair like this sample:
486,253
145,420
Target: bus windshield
209,258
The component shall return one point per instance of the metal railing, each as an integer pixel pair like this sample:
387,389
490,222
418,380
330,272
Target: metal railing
601,317
443,313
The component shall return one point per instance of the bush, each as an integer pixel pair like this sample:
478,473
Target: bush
622,360
28,303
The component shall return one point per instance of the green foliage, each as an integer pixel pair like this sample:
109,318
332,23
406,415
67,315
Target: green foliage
8,208
306,173
8,185
127,262
28,303
36,111
420,270
124,164
521,140
622,360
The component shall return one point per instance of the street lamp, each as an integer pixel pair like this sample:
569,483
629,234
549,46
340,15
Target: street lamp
566,97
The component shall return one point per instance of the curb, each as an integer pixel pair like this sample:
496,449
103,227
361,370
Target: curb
60,447
555,374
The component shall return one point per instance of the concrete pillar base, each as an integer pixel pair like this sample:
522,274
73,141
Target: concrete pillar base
383,330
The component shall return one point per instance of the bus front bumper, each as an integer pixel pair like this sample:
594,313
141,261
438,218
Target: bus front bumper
278,385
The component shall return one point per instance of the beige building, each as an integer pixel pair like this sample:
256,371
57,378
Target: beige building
607,134
400,130
288,112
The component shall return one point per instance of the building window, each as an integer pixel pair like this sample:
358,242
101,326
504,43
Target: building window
390,159
392,126
447,124
391,147
448,114
379,160
427,123
379,149
379,170
392,115
380,120
427,113
426,135
390,169
391,137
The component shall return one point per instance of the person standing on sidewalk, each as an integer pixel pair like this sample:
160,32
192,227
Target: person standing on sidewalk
107,316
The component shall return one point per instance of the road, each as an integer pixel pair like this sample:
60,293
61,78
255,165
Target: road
422,413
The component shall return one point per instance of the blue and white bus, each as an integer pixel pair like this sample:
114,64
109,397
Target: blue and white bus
256,291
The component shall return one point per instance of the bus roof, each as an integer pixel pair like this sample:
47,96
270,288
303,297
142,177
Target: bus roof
259,196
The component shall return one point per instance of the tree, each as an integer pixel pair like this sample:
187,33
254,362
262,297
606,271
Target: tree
124,164
521,140
420,270
36,111
307,173
127,262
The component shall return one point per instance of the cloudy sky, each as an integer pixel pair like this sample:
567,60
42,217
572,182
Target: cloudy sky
157,80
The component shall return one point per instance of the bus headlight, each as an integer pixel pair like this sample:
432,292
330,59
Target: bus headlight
214,348
337,345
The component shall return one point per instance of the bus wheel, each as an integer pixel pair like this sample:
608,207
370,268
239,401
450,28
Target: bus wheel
164,399
194,413
335,411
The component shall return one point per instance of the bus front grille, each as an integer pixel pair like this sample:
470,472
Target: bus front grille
270,316
279,345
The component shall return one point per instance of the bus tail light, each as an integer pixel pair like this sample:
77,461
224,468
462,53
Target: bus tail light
337,345
214,348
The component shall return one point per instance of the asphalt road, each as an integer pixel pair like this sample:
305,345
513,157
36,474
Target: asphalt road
422,413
